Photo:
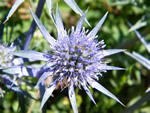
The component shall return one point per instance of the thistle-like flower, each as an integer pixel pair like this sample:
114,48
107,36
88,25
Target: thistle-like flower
75,59
13,67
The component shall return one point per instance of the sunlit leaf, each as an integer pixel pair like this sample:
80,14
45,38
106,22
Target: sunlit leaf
140,23
119,3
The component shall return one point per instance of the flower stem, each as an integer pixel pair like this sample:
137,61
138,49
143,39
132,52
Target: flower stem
33,25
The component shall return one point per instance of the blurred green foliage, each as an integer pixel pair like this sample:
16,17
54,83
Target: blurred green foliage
129,85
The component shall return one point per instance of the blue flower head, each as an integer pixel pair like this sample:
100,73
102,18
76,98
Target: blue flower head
76,59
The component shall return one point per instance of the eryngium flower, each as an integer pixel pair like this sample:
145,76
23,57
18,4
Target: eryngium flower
11,69
75,59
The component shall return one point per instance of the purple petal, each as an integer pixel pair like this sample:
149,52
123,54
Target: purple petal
72,98
100,88
94,31
31,55
43,30
48,92
88,92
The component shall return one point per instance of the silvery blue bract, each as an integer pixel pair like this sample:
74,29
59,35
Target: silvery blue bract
71,3
76,59
138,57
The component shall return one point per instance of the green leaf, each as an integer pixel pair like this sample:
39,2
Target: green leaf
137,104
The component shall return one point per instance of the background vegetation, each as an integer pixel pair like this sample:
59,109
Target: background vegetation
129,85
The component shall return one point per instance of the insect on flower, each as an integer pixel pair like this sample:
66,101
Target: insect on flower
76,59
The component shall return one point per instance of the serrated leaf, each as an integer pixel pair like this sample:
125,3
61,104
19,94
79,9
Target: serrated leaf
140,23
